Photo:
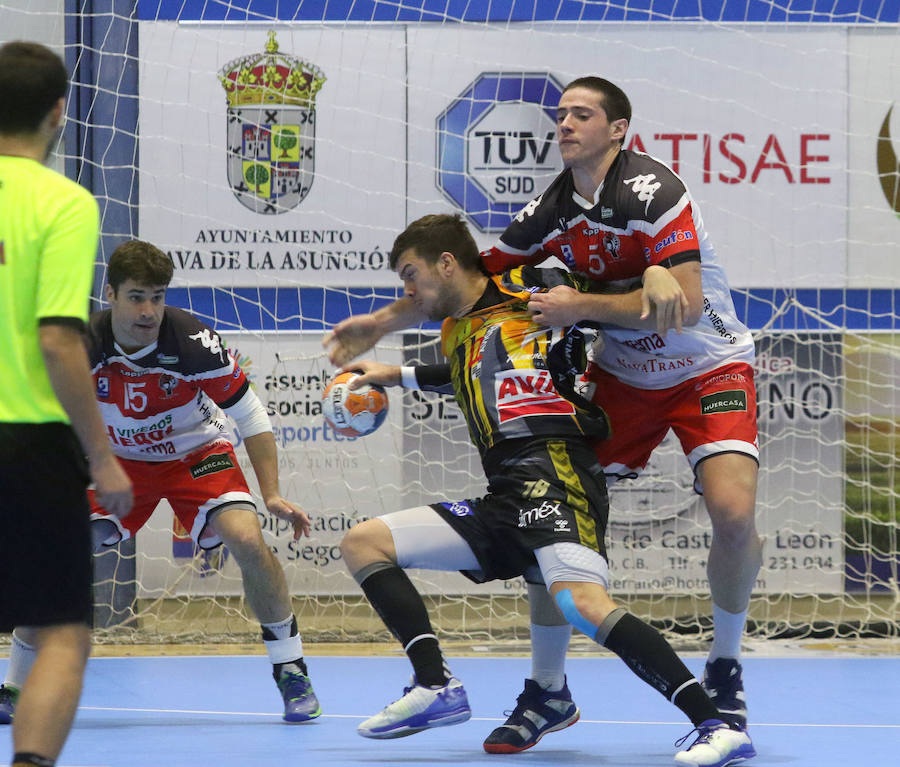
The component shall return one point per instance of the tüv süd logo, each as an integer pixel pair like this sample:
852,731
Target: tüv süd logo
496,145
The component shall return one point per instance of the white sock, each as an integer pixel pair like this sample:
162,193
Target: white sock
284,648
728,630
548,655
21,659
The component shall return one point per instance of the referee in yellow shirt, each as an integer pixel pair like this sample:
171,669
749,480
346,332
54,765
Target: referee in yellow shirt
48,241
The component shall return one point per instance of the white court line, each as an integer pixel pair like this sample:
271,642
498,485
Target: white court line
474,718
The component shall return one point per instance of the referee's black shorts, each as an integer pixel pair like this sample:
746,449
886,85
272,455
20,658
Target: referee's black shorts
46,568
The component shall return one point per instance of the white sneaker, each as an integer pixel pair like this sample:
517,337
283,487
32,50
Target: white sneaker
716,745
420,708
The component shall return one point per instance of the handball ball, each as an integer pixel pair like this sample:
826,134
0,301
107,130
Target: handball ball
354,413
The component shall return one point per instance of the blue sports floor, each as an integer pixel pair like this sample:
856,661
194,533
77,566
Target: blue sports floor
224,711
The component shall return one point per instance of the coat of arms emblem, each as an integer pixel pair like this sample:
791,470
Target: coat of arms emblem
271,128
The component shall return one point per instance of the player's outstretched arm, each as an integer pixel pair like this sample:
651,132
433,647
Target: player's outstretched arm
371,372
356,335
69,371
263,454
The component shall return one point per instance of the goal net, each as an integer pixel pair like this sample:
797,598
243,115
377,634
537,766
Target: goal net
275,150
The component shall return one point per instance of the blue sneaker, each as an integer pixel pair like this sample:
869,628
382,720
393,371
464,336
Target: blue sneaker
300,702
717,745
419,709
8,698
537,712
722,682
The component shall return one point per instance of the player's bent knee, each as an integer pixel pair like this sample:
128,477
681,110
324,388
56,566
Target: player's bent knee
565,600
365,543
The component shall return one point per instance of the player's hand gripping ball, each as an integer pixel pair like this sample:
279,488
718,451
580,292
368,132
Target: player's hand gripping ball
354,413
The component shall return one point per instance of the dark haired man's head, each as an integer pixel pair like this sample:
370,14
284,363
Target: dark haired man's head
440,265
33,79
136,281
435,234
613,99
141,262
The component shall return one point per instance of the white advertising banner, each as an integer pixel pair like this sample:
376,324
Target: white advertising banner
874,97
753,120
295,155
272,156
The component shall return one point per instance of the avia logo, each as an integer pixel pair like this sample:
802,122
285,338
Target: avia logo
888,166
644,188
521,393
209,340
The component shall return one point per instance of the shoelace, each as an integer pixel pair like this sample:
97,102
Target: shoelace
703,735
293,682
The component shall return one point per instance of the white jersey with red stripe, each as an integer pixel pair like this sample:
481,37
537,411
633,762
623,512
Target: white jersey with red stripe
165,400
641,215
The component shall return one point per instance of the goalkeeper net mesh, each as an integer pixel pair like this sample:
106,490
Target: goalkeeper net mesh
274,150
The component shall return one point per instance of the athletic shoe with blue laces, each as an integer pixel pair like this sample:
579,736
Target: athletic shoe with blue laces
717,745
8,698
722,682
300,702
419,709
537,712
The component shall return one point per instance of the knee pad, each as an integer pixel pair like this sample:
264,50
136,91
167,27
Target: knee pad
567,606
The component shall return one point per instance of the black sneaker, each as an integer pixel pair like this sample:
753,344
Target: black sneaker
722,682
537,712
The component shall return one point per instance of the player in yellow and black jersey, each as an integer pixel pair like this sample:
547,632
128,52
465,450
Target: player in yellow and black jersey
544,515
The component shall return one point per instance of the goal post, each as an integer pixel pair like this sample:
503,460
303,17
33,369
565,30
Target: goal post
275,150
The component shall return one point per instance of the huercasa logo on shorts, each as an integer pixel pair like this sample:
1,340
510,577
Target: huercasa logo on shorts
724,402
211,464
528,517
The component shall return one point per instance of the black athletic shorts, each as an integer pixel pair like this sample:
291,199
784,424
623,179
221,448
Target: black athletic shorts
46,567
544,492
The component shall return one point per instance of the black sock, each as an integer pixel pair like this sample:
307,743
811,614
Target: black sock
27,759
400,606
652,658
298,665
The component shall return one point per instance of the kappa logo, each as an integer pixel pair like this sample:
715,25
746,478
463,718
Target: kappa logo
271,128
644,187
209,340
529,209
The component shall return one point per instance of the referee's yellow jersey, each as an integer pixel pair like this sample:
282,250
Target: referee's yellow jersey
48,241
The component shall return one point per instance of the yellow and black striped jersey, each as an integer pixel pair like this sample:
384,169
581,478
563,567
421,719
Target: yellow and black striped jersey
499,367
